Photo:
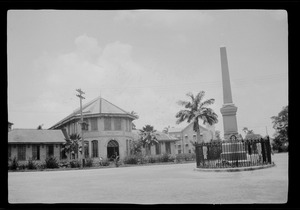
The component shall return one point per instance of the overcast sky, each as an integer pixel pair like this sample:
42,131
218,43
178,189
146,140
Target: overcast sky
146,60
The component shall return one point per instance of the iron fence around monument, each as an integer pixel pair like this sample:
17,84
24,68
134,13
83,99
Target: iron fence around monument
240,153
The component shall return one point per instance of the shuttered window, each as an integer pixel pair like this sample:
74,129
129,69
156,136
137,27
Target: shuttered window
157,148
168,147
50,150
21,152
117,124
35,152
107,124
94,148
94,124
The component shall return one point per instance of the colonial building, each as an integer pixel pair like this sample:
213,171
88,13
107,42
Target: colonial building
107,131
166,143
25,144
187,135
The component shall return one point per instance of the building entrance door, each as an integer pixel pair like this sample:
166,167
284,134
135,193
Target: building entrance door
112,149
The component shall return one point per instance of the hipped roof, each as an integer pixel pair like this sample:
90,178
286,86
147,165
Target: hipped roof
98,106
35,136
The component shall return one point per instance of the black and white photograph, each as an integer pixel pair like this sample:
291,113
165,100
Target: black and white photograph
147,106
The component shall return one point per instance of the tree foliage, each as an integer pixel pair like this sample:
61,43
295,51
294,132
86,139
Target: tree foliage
197,109
280,124
137,117
148,135
72,144
218,135
247,131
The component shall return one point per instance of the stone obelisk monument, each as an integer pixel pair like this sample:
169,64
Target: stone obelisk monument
228,109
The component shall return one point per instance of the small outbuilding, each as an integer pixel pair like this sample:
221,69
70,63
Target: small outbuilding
25,144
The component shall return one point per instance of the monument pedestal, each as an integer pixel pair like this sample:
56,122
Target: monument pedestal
229,120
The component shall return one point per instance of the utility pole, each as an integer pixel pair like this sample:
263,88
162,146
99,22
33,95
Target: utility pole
81,126
267,130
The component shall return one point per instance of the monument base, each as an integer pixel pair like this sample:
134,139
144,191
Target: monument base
233,151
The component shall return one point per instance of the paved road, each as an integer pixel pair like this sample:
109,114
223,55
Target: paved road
159,184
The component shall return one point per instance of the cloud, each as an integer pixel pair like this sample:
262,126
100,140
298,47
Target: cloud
177,20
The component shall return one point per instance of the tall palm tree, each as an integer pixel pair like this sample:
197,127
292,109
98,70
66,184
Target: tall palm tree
72,144
148,136
137,117
197,109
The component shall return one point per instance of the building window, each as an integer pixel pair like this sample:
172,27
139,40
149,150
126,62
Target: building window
186,137
179,151
86,149
21,152
35,152
50,150
85,125
127,146
94,148
168,147
126,125
107,124
117,124
94,124
157,148
190,151
194,137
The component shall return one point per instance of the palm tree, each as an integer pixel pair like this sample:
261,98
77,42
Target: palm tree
196,110
137,117
72,144
148,136
247,131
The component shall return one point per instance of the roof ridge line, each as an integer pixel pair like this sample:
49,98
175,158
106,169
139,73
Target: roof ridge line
115,106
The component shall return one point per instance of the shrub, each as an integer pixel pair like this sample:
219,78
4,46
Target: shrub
64,164
171,158
14,164
31,164
22,166
143,159
132,159
105,162
74,164
51,162
41,165
89,162
153,159
179,158
164,157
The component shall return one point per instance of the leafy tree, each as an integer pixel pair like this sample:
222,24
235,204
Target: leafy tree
72,144
148,136
40,127
197,109
280,124
218,135
166,130
136,147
